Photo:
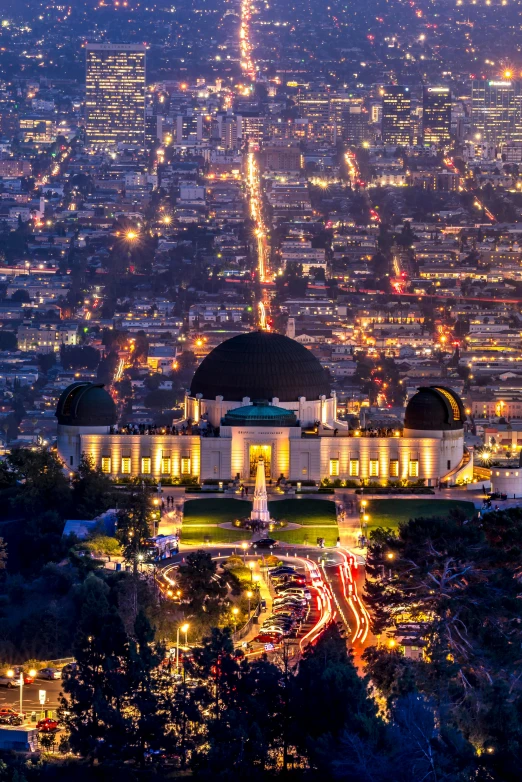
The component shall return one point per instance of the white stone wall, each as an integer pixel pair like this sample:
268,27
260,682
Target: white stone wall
295,457
507,480
451,447
117,446
68,442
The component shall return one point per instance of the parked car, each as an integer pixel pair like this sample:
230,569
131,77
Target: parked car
8,710
282,570
293,613
9,681
265,543
268,638
282,588
11,719
289,600
290,578
28,675
299,591
50,674
278,621
47,725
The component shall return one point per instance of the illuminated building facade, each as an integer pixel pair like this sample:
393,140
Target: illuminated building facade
436,116
315,107
38,130
396,115
264,395
115,94
495,109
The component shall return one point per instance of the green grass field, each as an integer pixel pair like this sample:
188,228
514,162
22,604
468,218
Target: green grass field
195,536
307,535
391,513
317,517
202,517
215,510
304,511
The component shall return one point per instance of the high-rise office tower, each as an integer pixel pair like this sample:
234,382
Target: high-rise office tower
495,108
396,115
436,116
315,107
340,104
115,94
355,125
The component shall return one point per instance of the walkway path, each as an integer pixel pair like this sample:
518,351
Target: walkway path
264,594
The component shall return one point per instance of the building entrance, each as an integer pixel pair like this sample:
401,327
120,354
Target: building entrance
257,451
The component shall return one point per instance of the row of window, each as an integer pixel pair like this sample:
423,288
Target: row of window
146,465
393,472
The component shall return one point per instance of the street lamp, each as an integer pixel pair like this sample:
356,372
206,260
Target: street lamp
155,502
235,612
10,674
256,578
251,565
244,546
249,594
390,556
185,628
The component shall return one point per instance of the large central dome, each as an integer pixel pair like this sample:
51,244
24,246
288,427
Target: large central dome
260,365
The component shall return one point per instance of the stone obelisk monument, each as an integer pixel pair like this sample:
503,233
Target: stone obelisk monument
260,509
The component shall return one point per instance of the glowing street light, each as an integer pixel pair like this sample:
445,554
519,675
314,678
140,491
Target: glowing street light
249,594
184,628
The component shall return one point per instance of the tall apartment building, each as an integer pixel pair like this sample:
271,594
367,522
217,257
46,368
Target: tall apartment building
340,104
436,115
115,94
495,109
355,128
396,115
315,107
282,157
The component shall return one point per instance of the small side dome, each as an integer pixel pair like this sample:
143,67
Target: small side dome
86,404
434,408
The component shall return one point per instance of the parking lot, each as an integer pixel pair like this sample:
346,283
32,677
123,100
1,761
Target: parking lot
11,697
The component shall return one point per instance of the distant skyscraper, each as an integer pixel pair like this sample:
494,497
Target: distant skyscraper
315,107
355,125
115,94
436,115
496,110
396,115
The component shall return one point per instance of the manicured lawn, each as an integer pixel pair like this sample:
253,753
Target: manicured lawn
215,510
307,535
202,517
195,536
391,513
304,511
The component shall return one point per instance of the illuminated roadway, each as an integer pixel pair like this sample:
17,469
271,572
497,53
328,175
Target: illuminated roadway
253,178
336,574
